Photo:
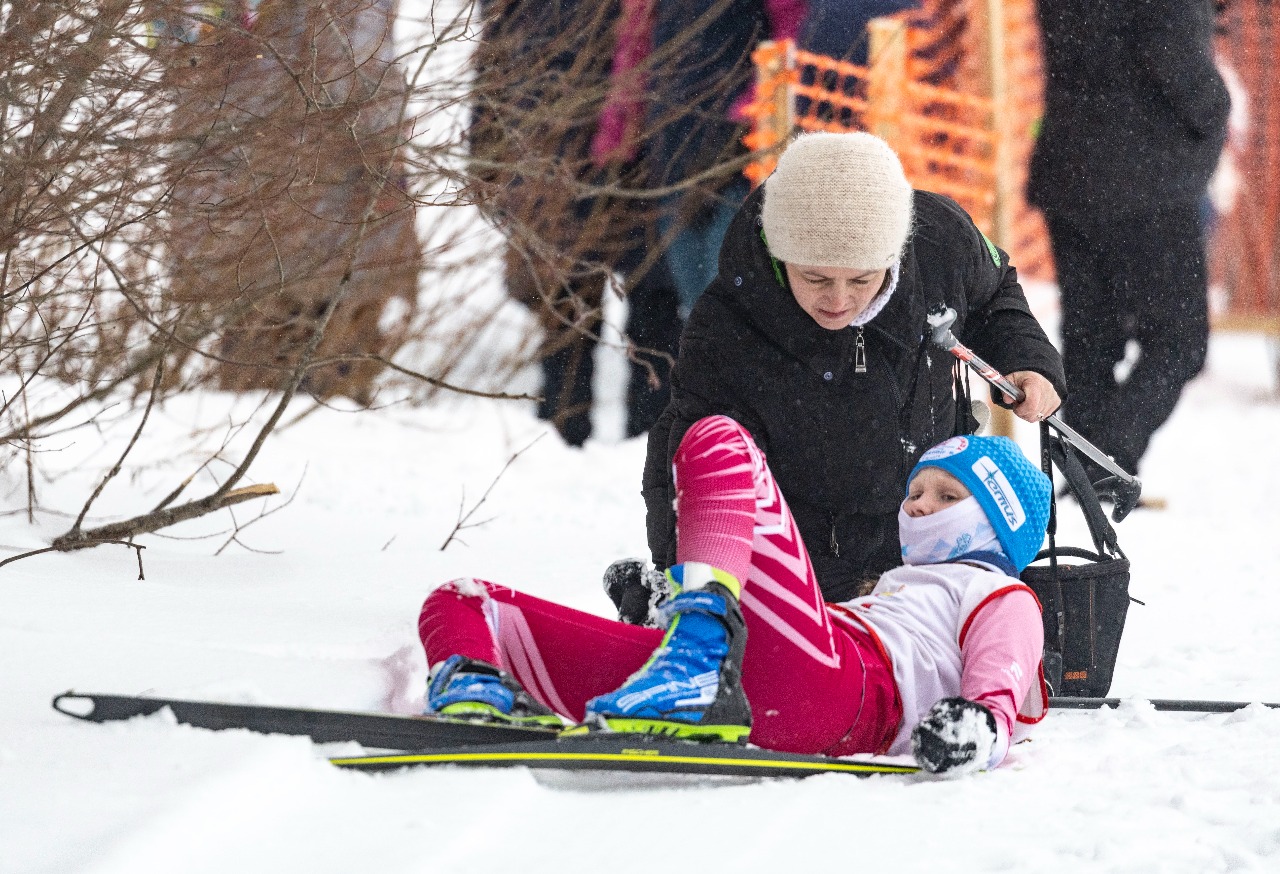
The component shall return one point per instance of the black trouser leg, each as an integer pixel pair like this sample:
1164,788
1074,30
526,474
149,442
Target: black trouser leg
1093,334
568,308
1166,289
653,325
1139,278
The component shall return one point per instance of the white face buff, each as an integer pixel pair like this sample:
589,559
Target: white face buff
946,534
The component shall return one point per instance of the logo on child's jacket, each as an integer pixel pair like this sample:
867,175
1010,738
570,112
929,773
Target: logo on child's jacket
1001,492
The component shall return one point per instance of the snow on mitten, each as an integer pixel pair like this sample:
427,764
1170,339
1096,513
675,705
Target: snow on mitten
956,737
637,589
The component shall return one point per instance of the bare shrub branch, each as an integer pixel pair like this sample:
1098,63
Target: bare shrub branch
279,197
464,516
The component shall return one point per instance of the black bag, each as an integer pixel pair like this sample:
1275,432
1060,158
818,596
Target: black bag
1084,603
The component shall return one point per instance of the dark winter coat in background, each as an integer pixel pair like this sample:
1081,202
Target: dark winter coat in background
1135,120
543,78
840,443
1135,110
838,28
703,50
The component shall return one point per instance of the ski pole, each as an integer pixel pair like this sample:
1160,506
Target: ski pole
1127,487
1175,705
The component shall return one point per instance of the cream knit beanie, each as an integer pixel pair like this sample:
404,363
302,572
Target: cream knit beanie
837,200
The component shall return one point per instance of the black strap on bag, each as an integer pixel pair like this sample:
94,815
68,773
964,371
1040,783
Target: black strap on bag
965,423
1055,618
1084,604
1061,454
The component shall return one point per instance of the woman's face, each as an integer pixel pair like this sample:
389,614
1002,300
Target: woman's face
833,296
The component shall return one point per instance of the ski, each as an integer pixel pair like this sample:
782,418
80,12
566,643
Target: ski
637,754
373,730
1177,705
386,731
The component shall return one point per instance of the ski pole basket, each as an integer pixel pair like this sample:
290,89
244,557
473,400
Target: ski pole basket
1084,602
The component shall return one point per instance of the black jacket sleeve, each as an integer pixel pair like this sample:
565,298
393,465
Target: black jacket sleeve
656,487
1175,49
1000,326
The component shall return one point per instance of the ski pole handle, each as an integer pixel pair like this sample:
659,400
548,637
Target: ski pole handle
943,337
940,321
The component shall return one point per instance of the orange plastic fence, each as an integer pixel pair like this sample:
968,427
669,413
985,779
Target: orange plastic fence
954,91
944,137
1246,245
1024,69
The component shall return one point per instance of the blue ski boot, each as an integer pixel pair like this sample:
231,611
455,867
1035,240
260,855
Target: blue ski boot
691,687
470,689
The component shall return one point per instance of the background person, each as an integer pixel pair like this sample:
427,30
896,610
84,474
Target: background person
1135,119
697,120
557,110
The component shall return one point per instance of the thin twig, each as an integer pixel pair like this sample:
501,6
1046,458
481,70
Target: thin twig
27,454
440,383
463,518
138,547
137,432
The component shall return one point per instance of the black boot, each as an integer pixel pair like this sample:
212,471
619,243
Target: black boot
566,390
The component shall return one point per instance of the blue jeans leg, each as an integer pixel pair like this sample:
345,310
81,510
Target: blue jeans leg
694,252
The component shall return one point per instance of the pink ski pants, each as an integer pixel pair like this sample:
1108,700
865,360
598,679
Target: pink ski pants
815,686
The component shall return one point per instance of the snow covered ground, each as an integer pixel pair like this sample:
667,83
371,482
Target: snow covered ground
319,610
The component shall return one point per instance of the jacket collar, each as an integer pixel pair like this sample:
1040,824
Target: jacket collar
902,321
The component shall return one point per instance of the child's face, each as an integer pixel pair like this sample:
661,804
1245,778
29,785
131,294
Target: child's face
933,489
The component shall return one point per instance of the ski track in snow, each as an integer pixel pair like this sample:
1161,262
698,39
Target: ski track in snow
406,679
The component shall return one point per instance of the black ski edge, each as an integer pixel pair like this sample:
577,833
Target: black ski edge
1175,705
634,754
417,733
377,730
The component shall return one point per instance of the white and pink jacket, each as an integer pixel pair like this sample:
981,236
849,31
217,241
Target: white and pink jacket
943,628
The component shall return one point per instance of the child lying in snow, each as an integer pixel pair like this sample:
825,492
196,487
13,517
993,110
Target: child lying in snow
942,659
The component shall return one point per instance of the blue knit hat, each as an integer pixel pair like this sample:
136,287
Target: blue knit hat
1012,491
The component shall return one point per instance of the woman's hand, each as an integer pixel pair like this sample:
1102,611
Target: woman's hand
1040,401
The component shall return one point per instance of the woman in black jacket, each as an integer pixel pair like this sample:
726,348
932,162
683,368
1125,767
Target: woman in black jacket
813,337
